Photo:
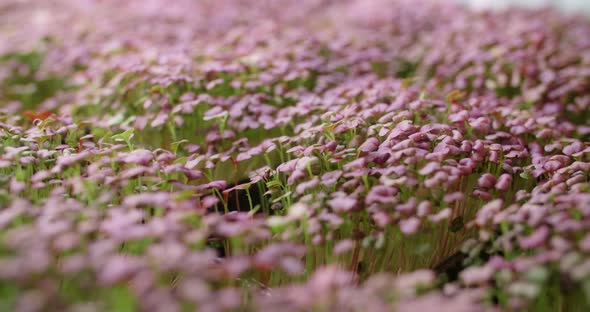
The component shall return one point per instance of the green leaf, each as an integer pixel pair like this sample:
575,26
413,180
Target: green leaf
9,294
137,247
119,298
278,199
184,195
274,183
180,160
125,136
504,226
175,145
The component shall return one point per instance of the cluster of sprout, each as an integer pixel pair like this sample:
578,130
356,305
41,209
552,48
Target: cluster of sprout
292,155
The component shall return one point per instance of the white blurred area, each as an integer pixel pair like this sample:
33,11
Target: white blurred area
568,6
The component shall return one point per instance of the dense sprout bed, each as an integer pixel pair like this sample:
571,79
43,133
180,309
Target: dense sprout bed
292,155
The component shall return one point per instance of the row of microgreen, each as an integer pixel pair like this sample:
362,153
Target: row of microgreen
131,187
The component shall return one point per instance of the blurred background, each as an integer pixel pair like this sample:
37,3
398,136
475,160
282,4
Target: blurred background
569,6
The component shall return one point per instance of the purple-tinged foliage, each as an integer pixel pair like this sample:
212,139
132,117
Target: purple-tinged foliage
302,155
